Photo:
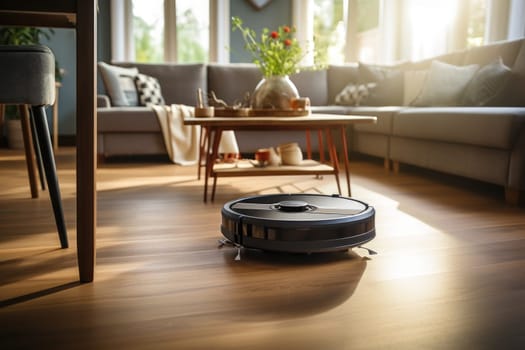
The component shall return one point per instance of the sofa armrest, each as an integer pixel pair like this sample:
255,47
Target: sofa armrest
103,101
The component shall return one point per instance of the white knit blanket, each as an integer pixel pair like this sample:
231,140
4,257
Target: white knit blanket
182,141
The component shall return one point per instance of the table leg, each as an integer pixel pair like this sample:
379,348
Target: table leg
321,145
203,142
333,157
308,145
215,152
86,137
208,162
345,158
214,137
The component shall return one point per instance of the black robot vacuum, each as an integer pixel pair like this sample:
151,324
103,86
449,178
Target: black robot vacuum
298,223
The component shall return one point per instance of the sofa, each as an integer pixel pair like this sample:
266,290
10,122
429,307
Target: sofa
461,113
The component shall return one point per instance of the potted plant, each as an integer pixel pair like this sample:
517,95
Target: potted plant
278,54
21,36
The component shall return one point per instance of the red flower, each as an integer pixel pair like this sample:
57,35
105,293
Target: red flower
274,35
286,29
287,42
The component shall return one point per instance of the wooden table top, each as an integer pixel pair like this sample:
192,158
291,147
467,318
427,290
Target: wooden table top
313,120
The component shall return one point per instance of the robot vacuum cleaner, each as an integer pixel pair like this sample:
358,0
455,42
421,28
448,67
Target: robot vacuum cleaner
298,223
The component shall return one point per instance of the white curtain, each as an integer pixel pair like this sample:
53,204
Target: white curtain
170,31
427,27
122,47
303,21
517,19
220,31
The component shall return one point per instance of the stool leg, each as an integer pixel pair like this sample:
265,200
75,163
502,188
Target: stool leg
44,141
29,150
38,154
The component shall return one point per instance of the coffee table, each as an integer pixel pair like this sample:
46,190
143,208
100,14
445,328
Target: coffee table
323,123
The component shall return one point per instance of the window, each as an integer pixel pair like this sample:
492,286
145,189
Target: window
183,31
329,29
148,30
193,30
384,31
476,23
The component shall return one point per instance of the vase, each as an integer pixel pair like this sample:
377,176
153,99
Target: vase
274,92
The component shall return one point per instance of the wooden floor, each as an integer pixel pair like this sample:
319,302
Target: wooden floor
450,273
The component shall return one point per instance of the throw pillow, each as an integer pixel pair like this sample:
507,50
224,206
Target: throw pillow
413,84
388,84
445,84
353,94
387,92
149,90
119,84
486,84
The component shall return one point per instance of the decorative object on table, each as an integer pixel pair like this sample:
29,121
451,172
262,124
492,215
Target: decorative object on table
301,103
278,55
290,153
201,110
275,157
222,109
275,92
262,157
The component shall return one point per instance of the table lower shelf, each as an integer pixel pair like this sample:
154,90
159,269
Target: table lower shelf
246,168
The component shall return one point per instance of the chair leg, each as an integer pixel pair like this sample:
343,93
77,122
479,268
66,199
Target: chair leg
38,154
44,141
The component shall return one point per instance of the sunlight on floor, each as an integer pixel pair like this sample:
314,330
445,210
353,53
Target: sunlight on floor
143,181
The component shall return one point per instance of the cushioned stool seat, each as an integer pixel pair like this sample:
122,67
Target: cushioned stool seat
27,74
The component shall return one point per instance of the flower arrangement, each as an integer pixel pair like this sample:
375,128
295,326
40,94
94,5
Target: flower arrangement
277,53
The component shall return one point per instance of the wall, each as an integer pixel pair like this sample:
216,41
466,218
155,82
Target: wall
273,15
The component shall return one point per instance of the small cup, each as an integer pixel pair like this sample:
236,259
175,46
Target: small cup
204,112
300,103
262,156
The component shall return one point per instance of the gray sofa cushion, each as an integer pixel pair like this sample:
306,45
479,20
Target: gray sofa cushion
338,77
387,92
384,118
312,84
493,127
482,55
179,82
231,82
127,119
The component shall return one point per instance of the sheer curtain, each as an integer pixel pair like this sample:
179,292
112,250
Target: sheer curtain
431,27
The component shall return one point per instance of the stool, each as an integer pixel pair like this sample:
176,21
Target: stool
28,78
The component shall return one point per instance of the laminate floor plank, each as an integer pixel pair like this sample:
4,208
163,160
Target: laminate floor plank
449,273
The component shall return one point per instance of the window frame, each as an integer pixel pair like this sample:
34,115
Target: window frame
123,48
